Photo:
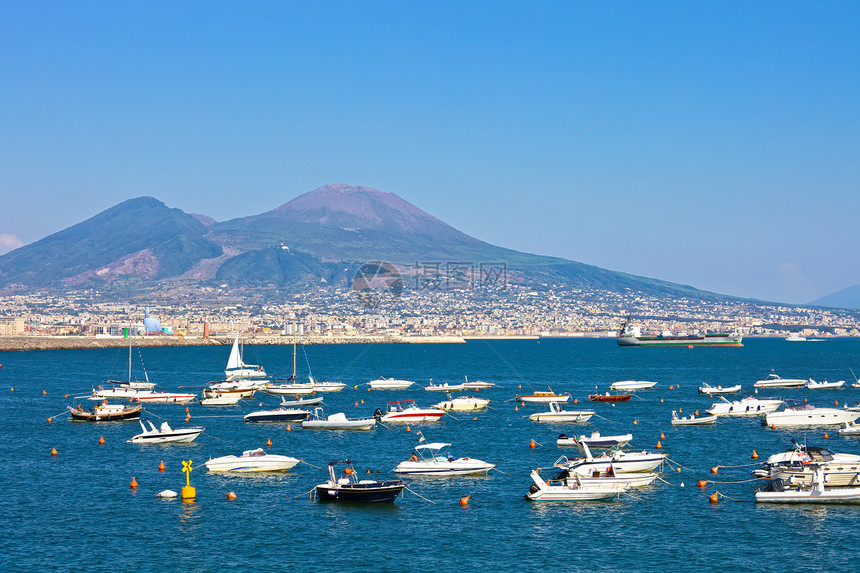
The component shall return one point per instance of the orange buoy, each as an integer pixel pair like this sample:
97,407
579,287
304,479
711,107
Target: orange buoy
473,419
45,393
314,392
836,402
66,396
659,446
662,436
661,400
680,411
231,495
269,443
289,428
532,444
356,404
713,498
575,401
702,483
161,466
188,417
773,426
689,346
130,400
464,501
825,435
101,439
53,451
715,469
678,470
697,413
12,389
261,405
362,400
516,409
754,455
50,420
408,429
520,386
635,422
133,484
671,387
186,409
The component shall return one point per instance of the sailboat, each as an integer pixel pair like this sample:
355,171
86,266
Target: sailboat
237,369
130,388
296,388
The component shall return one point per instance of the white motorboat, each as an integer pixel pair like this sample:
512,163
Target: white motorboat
749,406
301,401
244,388
558,414
434,460
236,367
840,470
795,338
819,491
774,381
801,414
443,387
164,434
462,404
405,411
219,399
337,421
543,397
849,429
165,397
389,384
251,461
611,477
570,488
708,389
620,461
595,440
476,385
326,386
632,385
693,420
824,385
278,415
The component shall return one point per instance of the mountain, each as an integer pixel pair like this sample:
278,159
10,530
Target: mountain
322,236
140,238
848,297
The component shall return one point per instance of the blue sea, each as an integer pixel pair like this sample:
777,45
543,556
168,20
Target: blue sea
76,510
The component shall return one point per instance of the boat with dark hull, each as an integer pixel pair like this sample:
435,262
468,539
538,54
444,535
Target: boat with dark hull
105,412
348,488
630,335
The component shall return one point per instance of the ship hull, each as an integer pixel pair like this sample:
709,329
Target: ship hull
732,340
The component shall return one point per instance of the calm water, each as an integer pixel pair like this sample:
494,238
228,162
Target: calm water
76,510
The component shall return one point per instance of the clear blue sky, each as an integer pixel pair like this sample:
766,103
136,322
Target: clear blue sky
722,152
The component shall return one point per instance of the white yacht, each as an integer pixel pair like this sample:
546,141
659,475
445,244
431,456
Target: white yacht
164,434
749,406
251,461
774,381
620,461
389,384
800,414
840,470
558,414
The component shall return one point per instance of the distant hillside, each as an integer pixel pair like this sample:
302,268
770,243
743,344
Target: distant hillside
137,238
320,237
846,298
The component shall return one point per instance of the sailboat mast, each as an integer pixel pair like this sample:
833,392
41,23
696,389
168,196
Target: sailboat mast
129,353
294,358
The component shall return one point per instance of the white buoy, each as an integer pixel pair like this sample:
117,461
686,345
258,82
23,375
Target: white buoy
682,484
167,494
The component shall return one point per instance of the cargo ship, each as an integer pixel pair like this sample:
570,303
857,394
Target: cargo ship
630,335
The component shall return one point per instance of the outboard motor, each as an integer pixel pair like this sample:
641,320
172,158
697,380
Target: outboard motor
534,488
378,414
562,436
776,485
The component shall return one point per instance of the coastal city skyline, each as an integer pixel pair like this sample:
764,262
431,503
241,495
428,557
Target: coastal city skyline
704,145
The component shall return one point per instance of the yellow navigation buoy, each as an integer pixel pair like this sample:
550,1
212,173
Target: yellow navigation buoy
161,466
133,484
187,492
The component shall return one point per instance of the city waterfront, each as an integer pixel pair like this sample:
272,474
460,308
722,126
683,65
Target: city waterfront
76,510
